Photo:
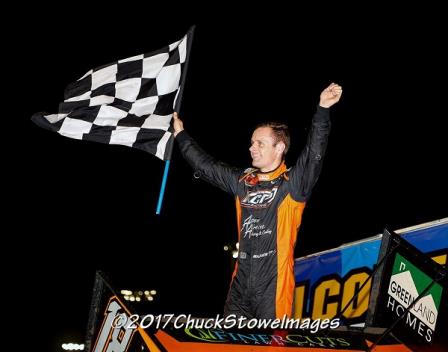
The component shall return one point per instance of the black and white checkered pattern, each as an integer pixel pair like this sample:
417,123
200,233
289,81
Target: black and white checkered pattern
129,102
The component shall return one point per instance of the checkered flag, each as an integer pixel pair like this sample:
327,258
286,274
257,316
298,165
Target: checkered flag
129,102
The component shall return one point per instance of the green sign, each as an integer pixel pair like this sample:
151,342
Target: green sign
406,284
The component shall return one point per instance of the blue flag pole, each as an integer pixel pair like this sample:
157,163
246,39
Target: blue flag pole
176,108
162,187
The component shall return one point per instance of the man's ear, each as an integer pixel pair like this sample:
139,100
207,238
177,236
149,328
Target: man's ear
280,148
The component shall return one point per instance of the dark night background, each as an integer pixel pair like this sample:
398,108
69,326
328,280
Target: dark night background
83,206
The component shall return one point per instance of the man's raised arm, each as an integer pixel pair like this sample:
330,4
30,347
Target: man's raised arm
305,173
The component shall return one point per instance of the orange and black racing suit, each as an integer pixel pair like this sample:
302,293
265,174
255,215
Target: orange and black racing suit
269,209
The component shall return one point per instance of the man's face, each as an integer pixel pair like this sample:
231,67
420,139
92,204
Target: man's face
265,156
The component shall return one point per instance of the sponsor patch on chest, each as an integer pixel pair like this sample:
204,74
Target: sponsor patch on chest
260,198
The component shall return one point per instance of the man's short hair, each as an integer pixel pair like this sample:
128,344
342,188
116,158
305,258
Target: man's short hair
280,132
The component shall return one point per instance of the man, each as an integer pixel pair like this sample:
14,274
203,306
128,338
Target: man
269,202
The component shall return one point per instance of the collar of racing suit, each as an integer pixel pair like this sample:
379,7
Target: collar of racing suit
253,176
271,175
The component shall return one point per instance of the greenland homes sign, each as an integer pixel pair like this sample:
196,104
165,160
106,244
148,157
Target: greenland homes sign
406,284
409,296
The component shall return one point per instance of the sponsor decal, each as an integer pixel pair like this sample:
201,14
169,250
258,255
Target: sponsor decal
329,295
252,228
406,284
267,338
259,199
